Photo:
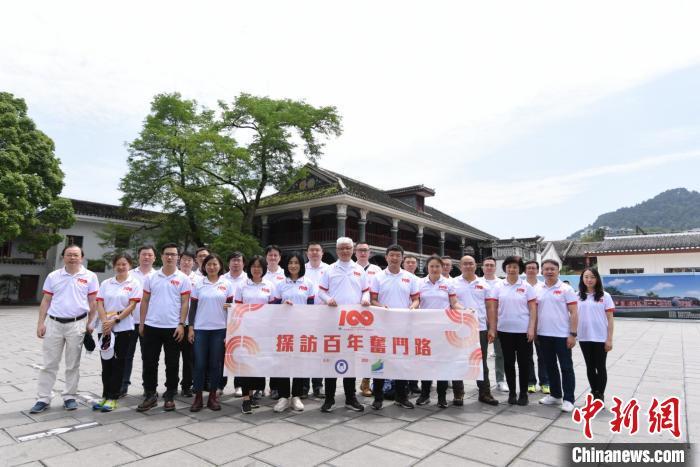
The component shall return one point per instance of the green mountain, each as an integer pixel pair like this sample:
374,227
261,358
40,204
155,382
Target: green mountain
670,211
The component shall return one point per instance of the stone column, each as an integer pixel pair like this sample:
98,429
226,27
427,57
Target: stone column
265,231
305,226
394,231
361,225
419,247
441,242
341,215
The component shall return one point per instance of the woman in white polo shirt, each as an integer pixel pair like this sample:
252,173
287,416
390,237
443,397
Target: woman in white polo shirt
595,329
295,290
255,290
116,301
437,292
207,330
516,321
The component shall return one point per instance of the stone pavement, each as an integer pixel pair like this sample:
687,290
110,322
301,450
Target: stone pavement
650,358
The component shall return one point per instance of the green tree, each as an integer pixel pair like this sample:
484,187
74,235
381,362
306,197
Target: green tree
598,235
30,181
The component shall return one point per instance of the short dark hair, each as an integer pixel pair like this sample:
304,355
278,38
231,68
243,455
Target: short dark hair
394,247
169,245
552,261
235,254
187,253
119,256
300,258
146,247
514,260
432,258
312,243
73,245
201,249
410,255
251,262
361,243
446,257
269,248
489,258
210,257
532,261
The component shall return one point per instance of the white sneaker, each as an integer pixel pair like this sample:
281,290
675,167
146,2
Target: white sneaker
549,400
297,404
238,392
281,405
502,386
567,406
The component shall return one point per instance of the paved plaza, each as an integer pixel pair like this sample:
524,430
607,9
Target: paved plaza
650,358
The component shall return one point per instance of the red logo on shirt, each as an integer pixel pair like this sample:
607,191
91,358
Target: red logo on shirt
222,288
520,290
357,273
479,287
406,280
265,289
442,287
557,292
82,281
174,282
128,289
303,287
371,272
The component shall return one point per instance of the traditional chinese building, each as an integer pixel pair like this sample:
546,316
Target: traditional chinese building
325,205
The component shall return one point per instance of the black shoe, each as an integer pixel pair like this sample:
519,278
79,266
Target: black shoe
274,394
328,406
187,392
404,403
246,407
257,395
354,405
423,400
318,392
512,398
377,405
150,401
442,401
458,402
254,404
523,400
487,398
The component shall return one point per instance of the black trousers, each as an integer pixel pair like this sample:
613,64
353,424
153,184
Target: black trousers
316,382
283,386
595,355
153,340
348,387
541,367
400,388
187,355
251,383
516,347
113,369
129,358
485,384
457,388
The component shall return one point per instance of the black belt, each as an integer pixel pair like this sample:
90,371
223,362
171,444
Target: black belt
68,320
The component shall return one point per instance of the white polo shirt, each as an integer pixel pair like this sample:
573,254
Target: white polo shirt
394,290
552,312
276,277
371,270
314,274
256,293
344,282
300,292
141,277
474,295
493,282
165,296
236,281
435,295
513,311
69,292
210,298
592,318
115,297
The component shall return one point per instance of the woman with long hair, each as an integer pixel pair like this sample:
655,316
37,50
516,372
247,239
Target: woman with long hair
595,329
211,297
516,324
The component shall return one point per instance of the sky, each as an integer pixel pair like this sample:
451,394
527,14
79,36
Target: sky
527,118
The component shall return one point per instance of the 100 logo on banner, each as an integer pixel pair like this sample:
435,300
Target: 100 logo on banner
354,317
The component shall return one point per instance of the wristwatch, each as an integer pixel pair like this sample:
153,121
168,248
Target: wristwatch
573,334
117,320
181,324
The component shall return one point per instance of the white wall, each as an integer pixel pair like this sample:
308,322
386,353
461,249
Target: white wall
652,264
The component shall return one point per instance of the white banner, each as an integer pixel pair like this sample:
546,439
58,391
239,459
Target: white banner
352,341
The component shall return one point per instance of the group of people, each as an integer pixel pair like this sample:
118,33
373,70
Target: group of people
182,309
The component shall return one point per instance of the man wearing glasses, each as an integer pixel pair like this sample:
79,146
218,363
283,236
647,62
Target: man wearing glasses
164,308
362,255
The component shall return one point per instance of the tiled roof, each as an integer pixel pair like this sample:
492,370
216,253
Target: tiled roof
573,248
650,243
111,211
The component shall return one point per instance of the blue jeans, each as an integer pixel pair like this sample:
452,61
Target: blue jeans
553,349
208,357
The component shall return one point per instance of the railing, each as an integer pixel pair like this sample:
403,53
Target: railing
408,245
378,239
285,237
29,261
431,250
324,235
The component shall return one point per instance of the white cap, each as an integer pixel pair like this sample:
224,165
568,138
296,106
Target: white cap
107,346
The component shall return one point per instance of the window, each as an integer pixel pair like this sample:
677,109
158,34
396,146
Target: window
672,270
74,240
96,265
6,250
627,271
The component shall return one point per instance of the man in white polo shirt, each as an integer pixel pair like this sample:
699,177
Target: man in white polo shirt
166,296
344,283
410,264
314,268
532,269
190,265
275,276
394,288
475,293
69,303
199,256
557,323
147,256
489,268
237,277
362,253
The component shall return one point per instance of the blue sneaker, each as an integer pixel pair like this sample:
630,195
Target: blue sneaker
99,405
39,407
70,404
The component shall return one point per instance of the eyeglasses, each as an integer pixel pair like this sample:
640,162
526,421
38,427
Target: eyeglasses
171,255
362,250
345,248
